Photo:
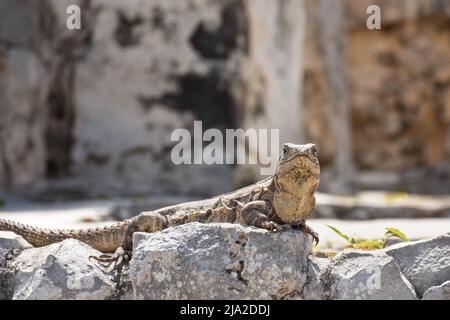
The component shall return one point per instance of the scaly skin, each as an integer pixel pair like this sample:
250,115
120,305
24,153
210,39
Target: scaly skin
105,239
286,199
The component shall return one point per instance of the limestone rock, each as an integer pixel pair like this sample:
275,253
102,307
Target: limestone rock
367,275
60,271
219,261
425,263
441,292
315,288
10,242
10,245
226,261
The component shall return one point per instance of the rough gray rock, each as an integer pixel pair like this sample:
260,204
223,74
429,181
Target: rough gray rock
10,242
226,261
219,261
441,292
425,263
315,288
10,245
60,271
357,275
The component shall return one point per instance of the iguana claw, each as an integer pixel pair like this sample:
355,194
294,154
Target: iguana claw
308,230
315,237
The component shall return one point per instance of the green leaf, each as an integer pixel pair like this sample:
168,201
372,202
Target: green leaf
369,245
343,235
392,232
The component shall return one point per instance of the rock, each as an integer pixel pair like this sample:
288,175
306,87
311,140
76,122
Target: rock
219,261
441,292
315,288
424,263
60,271
364,275
226,261
10,242
10,245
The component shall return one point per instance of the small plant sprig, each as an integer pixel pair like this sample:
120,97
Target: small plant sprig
365,244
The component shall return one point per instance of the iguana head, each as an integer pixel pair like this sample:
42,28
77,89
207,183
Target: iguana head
296,179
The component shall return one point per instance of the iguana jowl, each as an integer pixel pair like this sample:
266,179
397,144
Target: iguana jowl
283,200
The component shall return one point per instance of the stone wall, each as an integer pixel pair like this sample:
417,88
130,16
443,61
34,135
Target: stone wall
92,111
37,71
399,82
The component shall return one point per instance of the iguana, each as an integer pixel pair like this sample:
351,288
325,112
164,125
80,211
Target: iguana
283,200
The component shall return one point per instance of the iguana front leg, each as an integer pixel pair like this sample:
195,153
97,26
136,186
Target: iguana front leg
256,213
308,230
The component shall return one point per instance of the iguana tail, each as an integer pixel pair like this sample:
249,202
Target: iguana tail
105,239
